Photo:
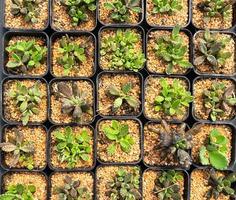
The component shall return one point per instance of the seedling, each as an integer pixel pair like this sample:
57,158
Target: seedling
125,185
119,135
214,151
212,51
72,190
167,187
78,10
25,56
166,6
120,9
72,147
171,50
121,52
27,100
218,100
172,98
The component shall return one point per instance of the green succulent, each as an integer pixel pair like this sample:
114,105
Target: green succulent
125,185
171,49
120,9
212,51
25,56
118,134
214,151
121,52
71,147
78,10
27,99
166,6
172,98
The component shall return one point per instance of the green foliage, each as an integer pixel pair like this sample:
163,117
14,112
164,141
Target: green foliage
120,9
166,6
212,51
125,185
214,151
25,55
172,98
166,185
27,99
121,52
172,50
78,10
118,134
72,147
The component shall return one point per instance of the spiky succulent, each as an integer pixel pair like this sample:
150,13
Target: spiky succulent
22,151
125,185
27,99
74,101
120,9
71,190
212,51
218,100
166,6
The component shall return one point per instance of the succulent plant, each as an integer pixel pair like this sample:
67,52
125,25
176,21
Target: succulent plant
28,9
22,151
166,185
172,98
166,6
27,99
120,9
125,185
72,190
72,147
213,152
78,10
222,184
219,99
74,101
24,56
171,49
118,134
212,51
121,52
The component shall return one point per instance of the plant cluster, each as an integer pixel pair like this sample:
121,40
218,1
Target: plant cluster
78,10
166,6
214,151
25,55
218,100
72,147
71,190
172,98
212,51
28,9
27,100
118,134
121,52
123,96
125,185
120,9
166,185
19,192
74,101
171,49
221,185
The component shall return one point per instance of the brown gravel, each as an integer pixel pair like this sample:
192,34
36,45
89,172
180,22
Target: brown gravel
57,180
105,101
11,112
180,17
154,63
84,69
28,178
119,156
17,22
62,21
55,162
198,88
